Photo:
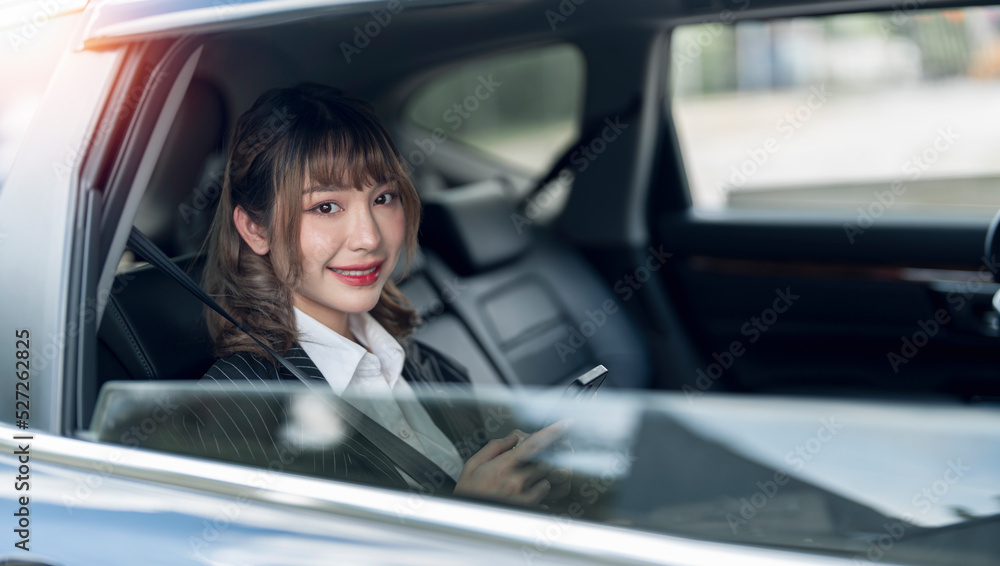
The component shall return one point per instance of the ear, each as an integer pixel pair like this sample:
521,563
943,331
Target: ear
251,233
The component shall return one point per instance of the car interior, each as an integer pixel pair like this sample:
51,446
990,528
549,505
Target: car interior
568,221
496,296
511,296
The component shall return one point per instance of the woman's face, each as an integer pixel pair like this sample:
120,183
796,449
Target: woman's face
350,243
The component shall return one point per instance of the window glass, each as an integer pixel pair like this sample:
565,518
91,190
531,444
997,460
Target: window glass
872,114
523,108
919,484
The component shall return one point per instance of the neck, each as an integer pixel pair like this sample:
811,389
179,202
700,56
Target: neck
335,321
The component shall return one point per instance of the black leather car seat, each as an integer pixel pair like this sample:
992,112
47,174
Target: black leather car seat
534,304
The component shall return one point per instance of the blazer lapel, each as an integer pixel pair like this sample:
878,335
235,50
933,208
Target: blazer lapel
363,460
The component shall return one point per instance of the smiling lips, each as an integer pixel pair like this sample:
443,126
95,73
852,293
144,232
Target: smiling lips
358,275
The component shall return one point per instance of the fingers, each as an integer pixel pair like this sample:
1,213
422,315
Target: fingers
540,440
493,449
560,475
537,493
560,480
504,470
534,473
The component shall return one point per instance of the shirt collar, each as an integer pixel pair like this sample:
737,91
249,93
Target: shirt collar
377,339
338,357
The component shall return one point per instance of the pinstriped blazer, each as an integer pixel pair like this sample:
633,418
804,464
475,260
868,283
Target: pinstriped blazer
355,458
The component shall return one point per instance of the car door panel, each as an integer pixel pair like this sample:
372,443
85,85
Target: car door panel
903,310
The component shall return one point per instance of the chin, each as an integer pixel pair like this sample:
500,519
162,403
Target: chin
359,307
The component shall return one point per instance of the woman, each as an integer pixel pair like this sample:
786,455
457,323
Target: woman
316,208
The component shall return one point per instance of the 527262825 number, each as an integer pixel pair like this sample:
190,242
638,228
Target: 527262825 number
22,367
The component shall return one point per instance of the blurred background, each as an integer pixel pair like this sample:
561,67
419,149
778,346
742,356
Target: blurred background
851,103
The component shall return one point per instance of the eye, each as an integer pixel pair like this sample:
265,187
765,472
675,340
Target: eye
387,198
326,207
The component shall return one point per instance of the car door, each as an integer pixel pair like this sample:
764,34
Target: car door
828,189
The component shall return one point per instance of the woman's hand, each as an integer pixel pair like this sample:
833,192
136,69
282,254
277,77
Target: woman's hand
503,469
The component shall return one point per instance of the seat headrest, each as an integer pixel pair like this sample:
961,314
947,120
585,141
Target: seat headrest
475,227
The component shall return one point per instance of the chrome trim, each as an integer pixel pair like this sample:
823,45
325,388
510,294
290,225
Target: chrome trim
216,15
579,541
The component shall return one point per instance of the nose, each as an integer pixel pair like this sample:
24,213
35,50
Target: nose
364,234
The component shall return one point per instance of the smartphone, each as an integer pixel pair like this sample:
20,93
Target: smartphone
583,388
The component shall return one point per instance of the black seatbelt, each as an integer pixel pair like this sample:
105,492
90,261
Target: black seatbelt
419,467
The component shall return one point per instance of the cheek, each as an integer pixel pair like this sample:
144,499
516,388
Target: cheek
316,243
394,227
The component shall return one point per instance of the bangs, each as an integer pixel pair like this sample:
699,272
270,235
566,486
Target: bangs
349,150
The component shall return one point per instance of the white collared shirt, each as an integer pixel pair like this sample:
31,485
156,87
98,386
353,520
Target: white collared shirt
372,381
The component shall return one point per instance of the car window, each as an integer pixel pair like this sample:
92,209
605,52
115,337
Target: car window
873,114
523,108
838,477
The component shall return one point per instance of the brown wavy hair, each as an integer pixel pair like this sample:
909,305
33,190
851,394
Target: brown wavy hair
291,134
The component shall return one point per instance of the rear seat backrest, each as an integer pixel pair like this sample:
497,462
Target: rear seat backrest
534,304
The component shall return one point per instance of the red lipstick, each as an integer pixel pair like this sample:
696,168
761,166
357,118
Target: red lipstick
359,274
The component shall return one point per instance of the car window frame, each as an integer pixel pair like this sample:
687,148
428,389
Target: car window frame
115,171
